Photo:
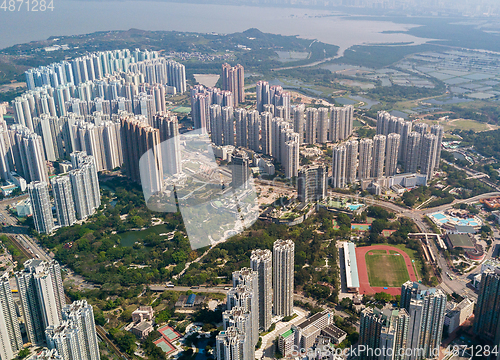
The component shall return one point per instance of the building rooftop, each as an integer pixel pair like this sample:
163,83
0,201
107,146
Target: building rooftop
334,331
142,326
287,333
460,240
351,266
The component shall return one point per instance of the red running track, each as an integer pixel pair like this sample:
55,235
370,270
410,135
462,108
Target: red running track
364,283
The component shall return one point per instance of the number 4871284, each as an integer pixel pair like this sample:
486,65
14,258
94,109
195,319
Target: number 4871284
27,5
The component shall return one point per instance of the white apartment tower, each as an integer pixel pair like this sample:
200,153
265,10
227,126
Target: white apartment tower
42,208
10,334
63,200
261,261
339,162
365,158
378,156
351,160
42,297
392,153
230,345
81,314
283,273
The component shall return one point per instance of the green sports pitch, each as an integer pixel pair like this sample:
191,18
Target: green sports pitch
386,270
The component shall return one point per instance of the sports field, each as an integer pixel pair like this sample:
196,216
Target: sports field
386,270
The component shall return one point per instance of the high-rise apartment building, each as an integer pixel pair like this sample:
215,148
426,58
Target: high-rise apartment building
11,340
383,331
438,131
378,156
351,160
233,79
65,338
266,119
428,154
48,355
392,153
240,120
311,125
339,166
311,183
283,273
412,160
84,185
427,310
138,140
168,125
487,311
263,95
42,208
81,315
250,279
253,126
238,318
261,261
291,156
42,297
341,123
240,171
365,158
323,125
230,345
298,121
63,200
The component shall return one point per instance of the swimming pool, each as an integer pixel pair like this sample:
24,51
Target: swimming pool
439,216
354,207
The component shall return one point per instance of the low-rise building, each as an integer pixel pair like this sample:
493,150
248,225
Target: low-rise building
143,313
286,341
142,329
307,331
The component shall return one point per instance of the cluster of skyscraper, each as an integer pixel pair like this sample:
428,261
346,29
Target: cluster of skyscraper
378,157
76,195
106,81
274,128
418,148
258,293
98,104
68,330
412,332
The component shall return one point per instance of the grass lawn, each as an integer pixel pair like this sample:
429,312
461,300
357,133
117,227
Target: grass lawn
357,123
386,270
417,265
378,251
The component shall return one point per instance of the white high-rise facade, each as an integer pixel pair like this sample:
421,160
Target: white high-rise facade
339,166
250,279
63,200
42,208
378,156
42,297
81,314
392,154
85,185
230,345
311,125
351,160
283,274
11,340
438,131
365,158
261,261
